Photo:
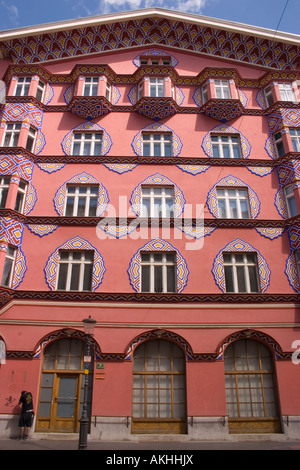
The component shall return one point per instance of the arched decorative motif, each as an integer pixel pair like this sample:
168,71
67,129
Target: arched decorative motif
157,179
212,199
61,334
254,335
157,244
82,178
137,143
225,129
239,245
87,126
159,334
76,243
291,271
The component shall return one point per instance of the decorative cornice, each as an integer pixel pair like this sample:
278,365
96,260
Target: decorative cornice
146,222
134,159
7,295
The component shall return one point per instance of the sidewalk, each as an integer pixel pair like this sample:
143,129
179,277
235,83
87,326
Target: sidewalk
109,447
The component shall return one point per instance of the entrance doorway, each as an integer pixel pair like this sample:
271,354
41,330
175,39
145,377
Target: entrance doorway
159,389
251,388
61,390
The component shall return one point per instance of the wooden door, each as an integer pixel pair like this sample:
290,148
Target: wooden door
65,413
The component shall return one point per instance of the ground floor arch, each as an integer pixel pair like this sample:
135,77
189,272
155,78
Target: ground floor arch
159,388
251,388
61,386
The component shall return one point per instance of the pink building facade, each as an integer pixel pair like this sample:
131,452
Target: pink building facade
150,180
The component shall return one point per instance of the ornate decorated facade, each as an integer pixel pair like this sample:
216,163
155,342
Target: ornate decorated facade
150,180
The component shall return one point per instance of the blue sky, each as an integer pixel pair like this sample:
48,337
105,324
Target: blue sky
273,14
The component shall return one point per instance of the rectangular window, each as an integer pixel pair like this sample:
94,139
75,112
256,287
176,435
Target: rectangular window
12,134
9,265
140,90
156,87
108,91
90,87
222,89
81,201
22,86
4,187
233,203
204,94
241,273
157,201
75,270
21,196
295,138
226,146
157,145
290,201
40,90
286,92
87,144
31,139
269,95
158,272
279,144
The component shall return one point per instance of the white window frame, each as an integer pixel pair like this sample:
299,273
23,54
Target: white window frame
222,89
286,92
90,86
233,198
156,87
164,263
204,91
157,143
157,198
279,146
85,139
108,91
9,264
155,61
237,266
22,86
77,195
290,201
295,138
40,90
12,134
71,262
31,138
222,141
269,96
21,197
4,188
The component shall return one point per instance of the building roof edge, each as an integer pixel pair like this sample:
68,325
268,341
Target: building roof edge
148,13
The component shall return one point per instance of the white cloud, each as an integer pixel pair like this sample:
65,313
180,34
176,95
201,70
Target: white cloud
12,12
102,7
